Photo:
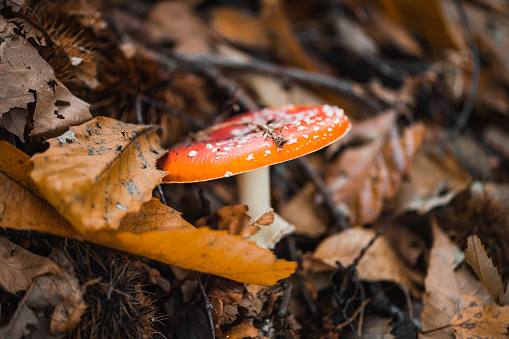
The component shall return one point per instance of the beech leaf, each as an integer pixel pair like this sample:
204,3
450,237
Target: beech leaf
98,172
172,240
362,179
18,267
483,267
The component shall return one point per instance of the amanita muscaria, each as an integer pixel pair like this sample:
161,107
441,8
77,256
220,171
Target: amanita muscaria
246,145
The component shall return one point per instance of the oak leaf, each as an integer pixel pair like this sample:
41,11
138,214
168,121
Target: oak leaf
18,267
483,267
174,242
27,78
98,172
362,179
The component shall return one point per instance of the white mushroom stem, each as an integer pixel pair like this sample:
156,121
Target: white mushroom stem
254,191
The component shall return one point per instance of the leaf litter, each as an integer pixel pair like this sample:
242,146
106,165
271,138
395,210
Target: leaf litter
367,252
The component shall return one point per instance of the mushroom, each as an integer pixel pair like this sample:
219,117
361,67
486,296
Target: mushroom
246,145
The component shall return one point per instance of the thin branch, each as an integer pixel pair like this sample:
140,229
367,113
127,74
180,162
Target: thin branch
176,113
343,87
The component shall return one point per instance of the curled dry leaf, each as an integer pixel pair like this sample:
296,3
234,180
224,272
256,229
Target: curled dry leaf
362,179
483,267
242,330
379,263
52,305
174,243
27,78
234,219
98,172
18,267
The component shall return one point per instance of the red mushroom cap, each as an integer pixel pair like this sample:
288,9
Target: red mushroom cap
239,144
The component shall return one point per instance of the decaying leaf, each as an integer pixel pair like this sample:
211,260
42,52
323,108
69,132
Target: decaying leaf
52,305
362,179
98,172
434,180
234,219
27,78
19,267
204,250
448,291
379,263
483,267
481,321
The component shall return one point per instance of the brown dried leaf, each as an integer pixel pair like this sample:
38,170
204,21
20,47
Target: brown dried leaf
483,267
308,218
26,76
379,263
448,291
362,179
434,180
52,305
481,321
98,172
213,252
241,331
19,267
240,27
232,218
14,121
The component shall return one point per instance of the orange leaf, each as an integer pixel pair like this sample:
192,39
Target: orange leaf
242,330
98,172
481,321
483,267
173,242
365,177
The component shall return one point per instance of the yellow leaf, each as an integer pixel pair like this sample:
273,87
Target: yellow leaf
172,240
98,172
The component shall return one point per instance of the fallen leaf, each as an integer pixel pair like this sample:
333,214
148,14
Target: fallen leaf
52,305
497,138
379,263
375,327
302,212
481,321
204,250
240,27
483,267
175,22
363,178
14,121
19,267
242,330
27,78
98,172
434,180
448,290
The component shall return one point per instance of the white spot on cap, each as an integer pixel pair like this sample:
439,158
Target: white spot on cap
292,141
329,129
250,157
192,154
315,128
305,136
227,174
300,128
266,153
216,149
209,146
227,148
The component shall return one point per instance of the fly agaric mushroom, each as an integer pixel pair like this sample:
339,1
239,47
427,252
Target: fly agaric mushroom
247,145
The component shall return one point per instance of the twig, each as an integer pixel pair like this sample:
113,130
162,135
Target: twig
208,305
339,218
285,301
343,87
474,82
